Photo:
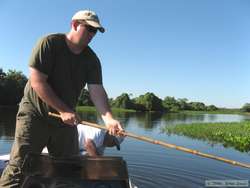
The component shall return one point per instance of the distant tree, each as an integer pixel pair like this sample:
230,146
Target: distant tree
150,101
110,101
171,104
2,74
246,107
11,87
139,107
123,101
197,106
183,104
2,84
211,108
84,98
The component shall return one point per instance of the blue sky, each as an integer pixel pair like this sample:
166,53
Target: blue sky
199,50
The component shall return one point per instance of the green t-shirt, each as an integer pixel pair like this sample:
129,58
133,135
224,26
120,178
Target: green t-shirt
67,72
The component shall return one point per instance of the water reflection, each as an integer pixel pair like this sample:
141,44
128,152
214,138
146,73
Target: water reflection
148,120
88,116
211,117
7,121
124,117
94,117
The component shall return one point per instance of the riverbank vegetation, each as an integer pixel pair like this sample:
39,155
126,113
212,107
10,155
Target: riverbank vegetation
148,102
235,134
93,109
11,87
13,82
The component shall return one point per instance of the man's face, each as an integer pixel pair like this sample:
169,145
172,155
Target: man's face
86,32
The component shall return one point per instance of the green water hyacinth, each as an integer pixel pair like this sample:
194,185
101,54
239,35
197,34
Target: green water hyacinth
236,134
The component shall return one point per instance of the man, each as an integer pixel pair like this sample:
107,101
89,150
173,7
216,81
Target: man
93,141
60,66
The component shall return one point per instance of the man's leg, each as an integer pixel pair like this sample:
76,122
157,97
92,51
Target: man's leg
64,142
30,136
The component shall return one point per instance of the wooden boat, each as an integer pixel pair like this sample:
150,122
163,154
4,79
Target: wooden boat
43,171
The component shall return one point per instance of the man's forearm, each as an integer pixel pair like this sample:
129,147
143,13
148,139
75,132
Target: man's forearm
99,97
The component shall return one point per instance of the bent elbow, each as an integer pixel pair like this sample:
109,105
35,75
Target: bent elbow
37,78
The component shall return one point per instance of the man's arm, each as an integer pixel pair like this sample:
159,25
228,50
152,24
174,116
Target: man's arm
99,97
90,148
40,85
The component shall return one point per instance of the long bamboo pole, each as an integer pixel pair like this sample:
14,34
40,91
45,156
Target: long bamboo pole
150,140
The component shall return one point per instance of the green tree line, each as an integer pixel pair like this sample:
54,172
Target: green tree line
150,102
12,85
13,82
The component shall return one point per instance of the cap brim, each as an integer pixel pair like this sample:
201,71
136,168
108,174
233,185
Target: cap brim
111,140
117,144
118,140
96,25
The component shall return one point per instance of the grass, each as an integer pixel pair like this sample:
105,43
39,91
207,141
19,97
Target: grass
93,109
189,112
85,109
220,111
235,134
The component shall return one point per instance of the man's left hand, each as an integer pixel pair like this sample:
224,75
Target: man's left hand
114,127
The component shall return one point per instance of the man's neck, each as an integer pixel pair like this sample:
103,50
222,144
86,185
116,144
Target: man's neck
73,44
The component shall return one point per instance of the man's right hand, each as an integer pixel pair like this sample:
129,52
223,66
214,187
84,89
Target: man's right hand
70,118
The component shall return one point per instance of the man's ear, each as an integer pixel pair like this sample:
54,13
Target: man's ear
74,25
89,143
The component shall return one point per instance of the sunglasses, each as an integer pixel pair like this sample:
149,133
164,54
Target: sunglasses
90,28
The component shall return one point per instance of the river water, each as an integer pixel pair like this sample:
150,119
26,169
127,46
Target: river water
153,166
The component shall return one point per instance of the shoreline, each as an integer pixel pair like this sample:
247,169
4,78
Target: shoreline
190,112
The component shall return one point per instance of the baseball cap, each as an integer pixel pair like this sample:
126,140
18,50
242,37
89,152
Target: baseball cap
90,17
113,140
118,140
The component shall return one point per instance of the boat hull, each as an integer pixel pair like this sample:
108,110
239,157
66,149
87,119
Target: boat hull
81,171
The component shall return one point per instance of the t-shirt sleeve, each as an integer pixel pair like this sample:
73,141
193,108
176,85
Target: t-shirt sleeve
94,74
41,58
